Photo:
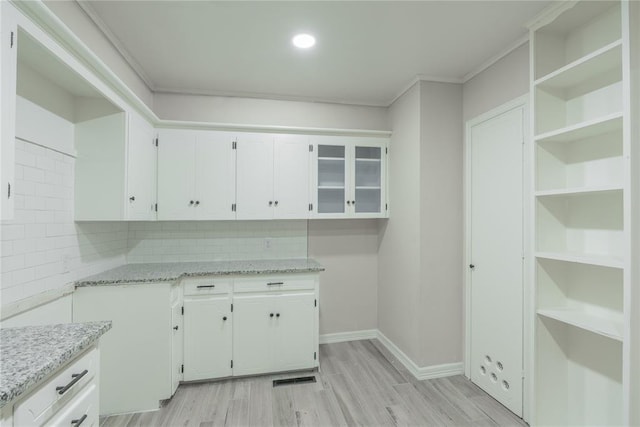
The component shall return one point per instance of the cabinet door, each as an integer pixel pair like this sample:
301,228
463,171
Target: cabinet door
331,180
368,180
215,179
207,339
254,188
291,177
177,338
9,63
253,322
141,169
294,335
176,174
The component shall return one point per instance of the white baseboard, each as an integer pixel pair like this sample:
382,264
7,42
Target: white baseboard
367,334
421,373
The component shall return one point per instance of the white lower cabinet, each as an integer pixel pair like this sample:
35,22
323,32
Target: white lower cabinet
177,349
136,356
207,340
69,397
273,333
250,325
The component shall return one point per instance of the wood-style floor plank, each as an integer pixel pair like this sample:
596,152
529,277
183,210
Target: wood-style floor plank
359,383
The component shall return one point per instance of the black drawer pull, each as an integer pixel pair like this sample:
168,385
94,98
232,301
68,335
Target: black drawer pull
275,283
76,378
205,286
79,421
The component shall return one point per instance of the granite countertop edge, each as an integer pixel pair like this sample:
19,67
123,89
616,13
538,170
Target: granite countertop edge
127,274
10,391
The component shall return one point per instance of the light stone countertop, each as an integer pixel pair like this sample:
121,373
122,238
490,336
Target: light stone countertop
29,354
172,271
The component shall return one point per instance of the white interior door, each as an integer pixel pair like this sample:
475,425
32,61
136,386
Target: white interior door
176,175
254,177
496,256
215,176
291,177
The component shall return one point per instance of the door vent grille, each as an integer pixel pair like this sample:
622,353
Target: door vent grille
297,380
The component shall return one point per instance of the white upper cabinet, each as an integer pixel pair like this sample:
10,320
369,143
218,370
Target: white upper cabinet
196,175
142,164
350,177
9,63
273,176
254,190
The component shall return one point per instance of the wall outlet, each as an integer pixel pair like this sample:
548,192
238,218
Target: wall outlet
267,243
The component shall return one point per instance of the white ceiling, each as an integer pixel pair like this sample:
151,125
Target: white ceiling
366,52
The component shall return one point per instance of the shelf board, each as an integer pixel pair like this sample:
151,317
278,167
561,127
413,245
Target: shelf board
579,191
330,187
606,326
582,70
331,159
368,160
589,128
591,259
366,187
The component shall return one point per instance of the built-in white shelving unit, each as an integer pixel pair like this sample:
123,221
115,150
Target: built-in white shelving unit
582,252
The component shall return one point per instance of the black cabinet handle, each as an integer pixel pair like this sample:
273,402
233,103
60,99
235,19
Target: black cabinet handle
75,379
205,286
175,328
79,421
276,203
349,202
132,198
270,314
353,202
270,203
278,315
224,318
191,202
197,202
275,283
471,266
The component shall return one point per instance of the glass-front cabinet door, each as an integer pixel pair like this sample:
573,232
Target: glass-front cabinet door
332,182
350,178
368,180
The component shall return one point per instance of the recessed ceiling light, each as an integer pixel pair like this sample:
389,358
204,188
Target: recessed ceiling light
304,41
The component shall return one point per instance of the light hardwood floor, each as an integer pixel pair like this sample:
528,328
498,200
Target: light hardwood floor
358,383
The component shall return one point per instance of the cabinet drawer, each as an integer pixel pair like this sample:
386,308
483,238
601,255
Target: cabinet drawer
206,286
80,411
47,399
273,283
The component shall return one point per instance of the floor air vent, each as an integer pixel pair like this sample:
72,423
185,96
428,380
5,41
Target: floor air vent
297,380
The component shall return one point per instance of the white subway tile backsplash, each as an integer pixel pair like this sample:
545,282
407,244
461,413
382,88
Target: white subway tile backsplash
43,233
175,241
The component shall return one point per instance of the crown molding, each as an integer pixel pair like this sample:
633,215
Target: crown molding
264,96
93,15
497,57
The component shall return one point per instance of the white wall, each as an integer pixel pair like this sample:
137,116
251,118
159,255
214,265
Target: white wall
505,80
441,221
399,246
420,255
348,249
221,109
179,241
79,23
